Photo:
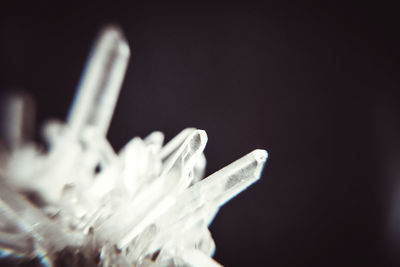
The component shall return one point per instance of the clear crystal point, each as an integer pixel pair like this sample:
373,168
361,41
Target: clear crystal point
147,205
216,189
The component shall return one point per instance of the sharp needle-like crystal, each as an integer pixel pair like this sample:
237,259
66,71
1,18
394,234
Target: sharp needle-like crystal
220,186
236,177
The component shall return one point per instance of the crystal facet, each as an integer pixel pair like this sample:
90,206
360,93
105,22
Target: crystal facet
147,205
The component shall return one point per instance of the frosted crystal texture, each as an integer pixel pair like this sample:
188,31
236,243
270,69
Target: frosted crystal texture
147,205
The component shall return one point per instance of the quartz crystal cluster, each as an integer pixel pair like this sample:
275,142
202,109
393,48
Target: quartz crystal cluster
78,201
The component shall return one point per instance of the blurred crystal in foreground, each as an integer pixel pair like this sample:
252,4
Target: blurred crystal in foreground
144,206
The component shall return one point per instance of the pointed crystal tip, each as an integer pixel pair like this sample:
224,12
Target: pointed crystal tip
101,82
114,32
260,155
200,138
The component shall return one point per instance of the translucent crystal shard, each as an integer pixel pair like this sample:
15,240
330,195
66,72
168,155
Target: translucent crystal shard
221,186
200,202
234,178
182,162
101,82
147,205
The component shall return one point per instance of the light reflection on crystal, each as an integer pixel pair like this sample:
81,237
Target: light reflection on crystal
146,205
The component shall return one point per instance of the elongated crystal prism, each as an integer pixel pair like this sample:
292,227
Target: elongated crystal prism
100,83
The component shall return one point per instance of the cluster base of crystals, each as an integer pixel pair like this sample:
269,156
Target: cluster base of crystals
147,205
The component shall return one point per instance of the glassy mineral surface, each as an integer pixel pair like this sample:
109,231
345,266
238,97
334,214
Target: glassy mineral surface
81,203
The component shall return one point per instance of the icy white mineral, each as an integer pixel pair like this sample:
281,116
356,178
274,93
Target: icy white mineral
144,206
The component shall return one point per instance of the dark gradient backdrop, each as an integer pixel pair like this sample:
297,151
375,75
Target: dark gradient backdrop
316,85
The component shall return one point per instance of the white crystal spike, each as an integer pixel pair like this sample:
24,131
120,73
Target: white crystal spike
201,201
182,162
237,176
100,84
219,187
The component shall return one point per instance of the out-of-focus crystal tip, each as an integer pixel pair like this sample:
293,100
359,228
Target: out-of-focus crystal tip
100,83
113,31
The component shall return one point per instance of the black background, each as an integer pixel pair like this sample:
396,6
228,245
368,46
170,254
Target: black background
317,85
